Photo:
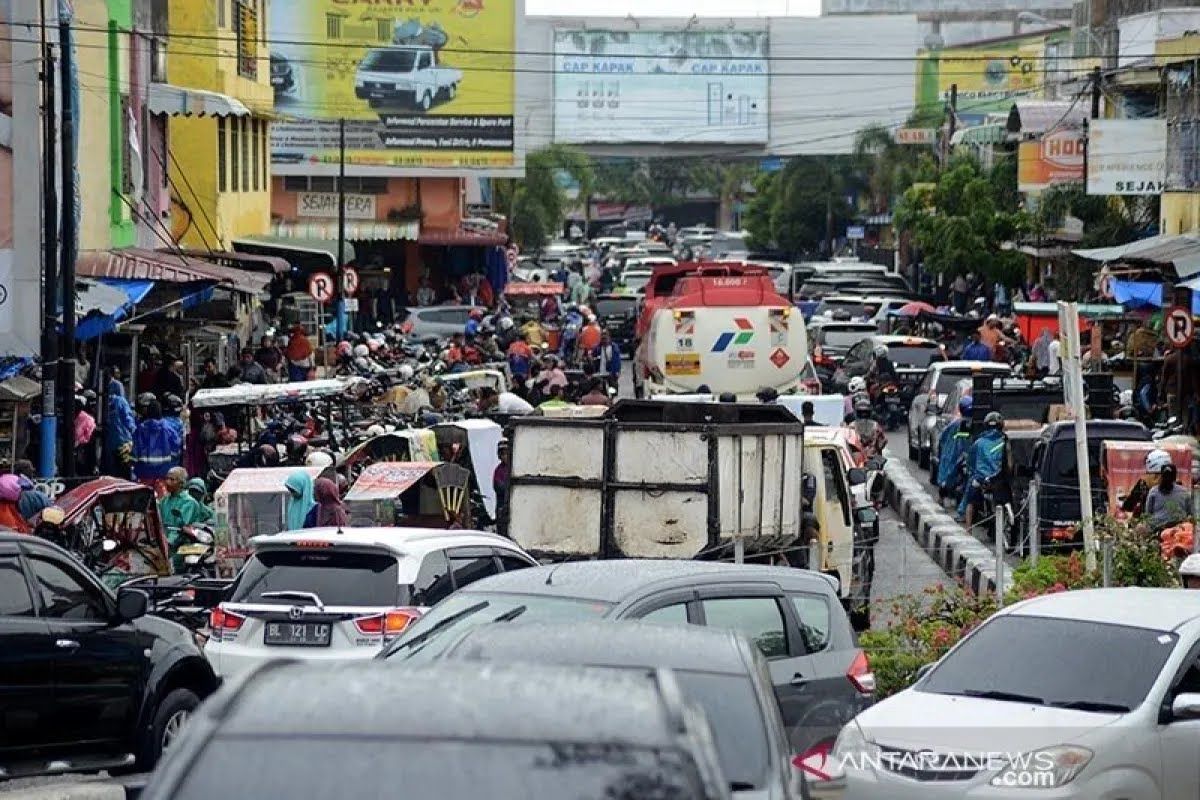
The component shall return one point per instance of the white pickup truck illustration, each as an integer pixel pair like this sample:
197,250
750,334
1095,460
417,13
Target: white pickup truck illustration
410,74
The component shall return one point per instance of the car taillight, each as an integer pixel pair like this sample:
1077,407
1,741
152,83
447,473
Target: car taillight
860,674
222,622
391,623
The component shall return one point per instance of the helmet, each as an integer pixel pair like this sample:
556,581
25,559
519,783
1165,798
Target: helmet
319,458
965,404
1157,460
376,430
173,402
53,515
994,419
344,349
1190,566
858,385
361,351
505,323
880,351
585,312
405,372
374,344
145,399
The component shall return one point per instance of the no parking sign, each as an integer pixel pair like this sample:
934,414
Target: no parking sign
320,287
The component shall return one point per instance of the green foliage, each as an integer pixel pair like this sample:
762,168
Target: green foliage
536,204
803,204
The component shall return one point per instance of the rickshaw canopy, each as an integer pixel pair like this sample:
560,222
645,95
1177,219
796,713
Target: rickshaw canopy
474,379
75,503
277,393
533,289
388,480
261,480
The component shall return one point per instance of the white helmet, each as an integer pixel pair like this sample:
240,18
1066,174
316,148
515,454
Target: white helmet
361,351
881,350
506,323
1190,566
1126,397
858,385
376,430
1157,460
319,458
405,372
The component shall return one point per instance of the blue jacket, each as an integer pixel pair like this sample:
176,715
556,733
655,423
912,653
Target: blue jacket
120,423
977,351
156,445
986,456
176,423
955,439
613,367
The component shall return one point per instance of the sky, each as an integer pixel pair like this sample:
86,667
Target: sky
675,8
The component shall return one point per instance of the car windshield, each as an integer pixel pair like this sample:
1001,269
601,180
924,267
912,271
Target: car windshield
460,612
844,337
736,717
914,355
390,60
1036,408
337,578
1062,465
855,308
1055,661
636,280
948,378
386,768
613,308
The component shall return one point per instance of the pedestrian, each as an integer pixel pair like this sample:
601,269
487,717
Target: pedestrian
119,425
606,358
170,379
10,512
1054,357
249,370
211,377
505,403
958,291
1037,294
808,413
976,350
31,501
555,398
299,353
85,424
1000,300
300,500
520,358
597,394
269,356
425,294
156,446
1167,503
500,477
328,511
1041,351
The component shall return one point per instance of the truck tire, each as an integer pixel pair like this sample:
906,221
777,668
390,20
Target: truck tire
451,91
426,101
169,719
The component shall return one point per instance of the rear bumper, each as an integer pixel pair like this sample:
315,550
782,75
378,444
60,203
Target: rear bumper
229,659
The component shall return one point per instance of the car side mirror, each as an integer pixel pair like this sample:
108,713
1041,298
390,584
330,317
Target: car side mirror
925,670
131,604
809,488
1185,706
857,476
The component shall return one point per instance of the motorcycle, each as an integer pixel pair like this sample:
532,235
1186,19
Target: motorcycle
198,553
890,407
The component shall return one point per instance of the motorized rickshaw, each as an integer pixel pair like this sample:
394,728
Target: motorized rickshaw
473,444
407,445
114,527
417,494
250,502
525,300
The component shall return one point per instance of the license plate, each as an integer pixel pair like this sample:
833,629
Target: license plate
193,550
376,95
298,634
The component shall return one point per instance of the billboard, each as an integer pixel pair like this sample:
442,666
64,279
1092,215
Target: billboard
1127,156
989,78
422,86
661,87
1054,159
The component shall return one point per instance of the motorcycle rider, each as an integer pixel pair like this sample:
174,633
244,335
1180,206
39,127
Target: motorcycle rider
872,440
952,444
1168,502
986,460
178,510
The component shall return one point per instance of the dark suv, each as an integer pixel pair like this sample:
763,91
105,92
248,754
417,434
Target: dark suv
87,681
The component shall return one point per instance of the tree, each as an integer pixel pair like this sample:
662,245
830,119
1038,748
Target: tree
800,208
535,206
725,179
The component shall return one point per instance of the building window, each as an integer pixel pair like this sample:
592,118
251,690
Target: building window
254,151
245,28
245,154
234,150
295,183
126,148
222,167
221,13
333,26
383,30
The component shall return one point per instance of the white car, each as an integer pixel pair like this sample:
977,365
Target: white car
327,594
1081,695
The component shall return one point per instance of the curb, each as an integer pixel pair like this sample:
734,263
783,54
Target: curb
72,791
960,555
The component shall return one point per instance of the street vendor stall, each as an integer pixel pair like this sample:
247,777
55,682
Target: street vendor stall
418,494
16,395
250,502
525,300
1032,318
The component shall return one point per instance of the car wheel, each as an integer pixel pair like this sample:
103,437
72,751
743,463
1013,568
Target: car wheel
170,719
451,91
426,101
912,449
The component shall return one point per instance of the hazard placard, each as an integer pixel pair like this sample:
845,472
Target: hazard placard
349,281
320,287
780,358
682,364
1179,326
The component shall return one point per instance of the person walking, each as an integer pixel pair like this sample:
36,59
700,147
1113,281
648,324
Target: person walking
299,353
606,358
329,512
156,446
300,500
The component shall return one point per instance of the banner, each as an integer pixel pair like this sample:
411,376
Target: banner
989,79
423,85
1127,156
1054,159
660,87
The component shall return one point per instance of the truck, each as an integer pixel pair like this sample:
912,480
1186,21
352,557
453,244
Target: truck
720,325
405,74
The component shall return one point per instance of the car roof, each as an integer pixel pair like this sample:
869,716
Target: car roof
1099,428
527,702
969,366
608,644
402,541
829,322
912,341
1155,609
614,581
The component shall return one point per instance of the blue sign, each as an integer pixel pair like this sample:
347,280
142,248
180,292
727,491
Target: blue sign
771,164
856,232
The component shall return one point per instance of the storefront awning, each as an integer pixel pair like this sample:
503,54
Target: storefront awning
99,307
463,237
181,101
272,264
1181,251
157,265
990,133
285,245
360,231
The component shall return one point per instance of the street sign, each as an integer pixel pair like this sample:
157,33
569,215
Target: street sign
320,287
349,281
916,136
856,232
352,305
1179,325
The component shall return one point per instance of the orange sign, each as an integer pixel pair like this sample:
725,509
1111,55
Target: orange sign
1054,159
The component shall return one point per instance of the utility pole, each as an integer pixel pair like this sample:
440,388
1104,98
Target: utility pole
1087,133
1072,367
339,300
66,363
49,424
953,123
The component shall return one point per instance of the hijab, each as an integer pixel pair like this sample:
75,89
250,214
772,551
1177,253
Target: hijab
31,502
330,511
299,500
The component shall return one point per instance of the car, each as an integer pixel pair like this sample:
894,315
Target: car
411,75
832,339
656,248
1076,695
327,594
793,615
720,671
940,377
644,263
439,321
617,314
455,731
861,307
633,281
88,681
911,356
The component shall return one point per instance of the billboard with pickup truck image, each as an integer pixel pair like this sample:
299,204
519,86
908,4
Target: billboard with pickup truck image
420,85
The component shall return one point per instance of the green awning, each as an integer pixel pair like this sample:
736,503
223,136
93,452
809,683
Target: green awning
282,245
360,231
990,133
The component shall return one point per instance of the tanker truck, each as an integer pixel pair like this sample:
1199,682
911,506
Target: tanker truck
724,326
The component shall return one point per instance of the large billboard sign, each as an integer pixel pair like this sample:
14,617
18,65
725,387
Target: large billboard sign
1127,156
421,85
1054,159
989,79
660,87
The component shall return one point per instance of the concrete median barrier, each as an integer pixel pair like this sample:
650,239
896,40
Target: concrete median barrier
89,790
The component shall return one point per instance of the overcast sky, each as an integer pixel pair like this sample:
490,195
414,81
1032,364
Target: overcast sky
675,8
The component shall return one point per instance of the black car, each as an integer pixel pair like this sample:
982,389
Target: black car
618,315
720,671
459,731
283,79
86,678
821,678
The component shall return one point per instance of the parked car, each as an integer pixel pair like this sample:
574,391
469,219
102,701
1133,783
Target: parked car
930,399
87,680
720,671
439,321
793,615
333,594
1077,695
451,731
408,74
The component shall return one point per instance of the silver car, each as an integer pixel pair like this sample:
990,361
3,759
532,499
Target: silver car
439,321
927,403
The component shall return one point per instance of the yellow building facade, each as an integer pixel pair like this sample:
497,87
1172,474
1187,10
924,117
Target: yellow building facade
221,167
1180,211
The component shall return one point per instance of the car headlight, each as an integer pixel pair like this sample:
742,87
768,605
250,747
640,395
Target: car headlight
1044,769
853,749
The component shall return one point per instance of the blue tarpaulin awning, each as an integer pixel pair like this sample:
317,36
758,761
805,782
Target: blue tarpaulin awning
1146,294
101,304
